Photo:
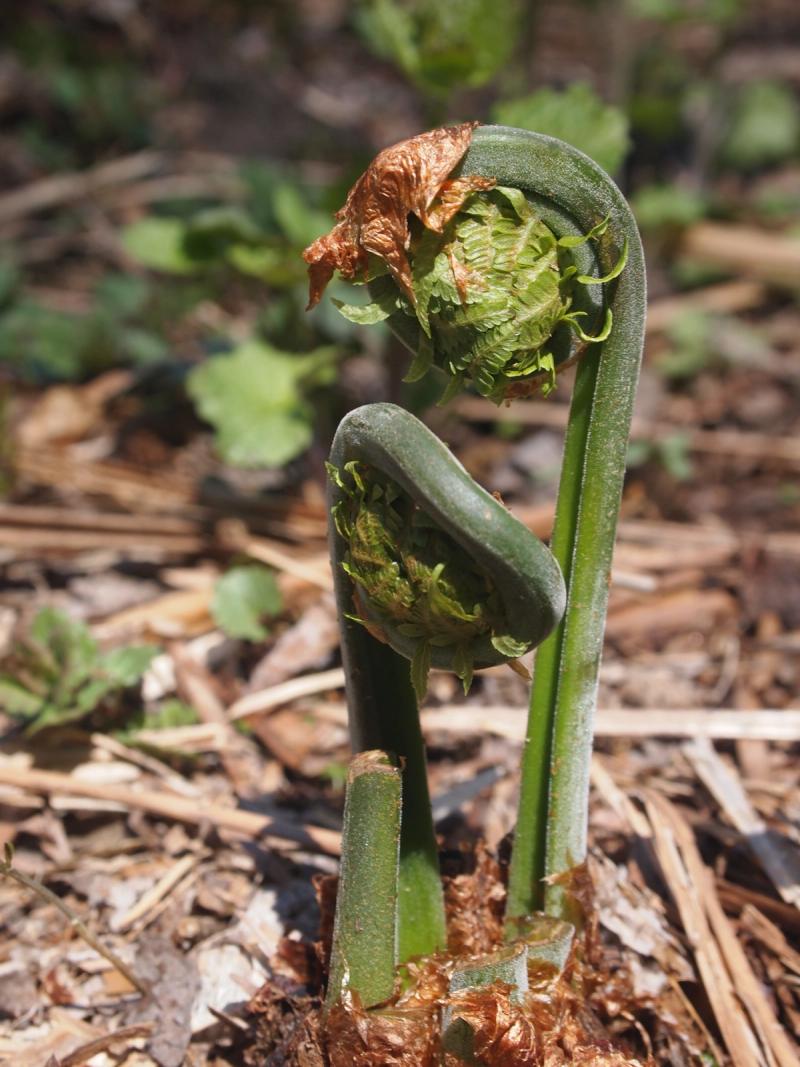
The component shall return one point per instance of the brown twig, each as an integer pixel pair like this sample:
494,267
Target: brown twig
181,809
509,722
777,855
670,847
735,443
65,188
83,1054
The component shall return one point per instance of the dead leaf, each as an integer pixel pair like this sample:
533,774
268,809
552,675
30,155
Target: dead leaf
174,982
474,901
69,412
404,179
391,1038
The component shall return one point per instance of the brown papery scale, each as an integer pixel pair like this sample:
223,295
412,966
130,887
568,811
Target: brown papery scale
402,180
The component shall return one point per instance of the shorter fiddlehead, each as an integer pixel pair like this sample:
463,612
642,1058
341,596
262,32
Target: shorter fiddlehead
431,569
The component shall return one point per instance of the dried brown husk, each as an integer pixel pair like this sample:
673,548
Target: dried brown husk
474,903
325,887
397,1037
505,1034
577,1019
286,1029
408,178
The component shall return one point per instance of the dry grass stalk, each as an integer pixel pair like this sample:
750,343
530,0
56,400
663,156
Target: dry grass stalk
730,985
181,809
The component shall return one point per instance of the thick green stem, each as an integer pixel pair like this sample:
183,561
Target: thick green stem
573,194
384,714
365,927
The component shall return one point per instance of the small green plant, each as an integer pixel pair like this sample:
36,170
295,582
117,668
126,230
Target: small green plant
764,126
430,569
56,674
575,114
442,47
243,597
39,344
256,398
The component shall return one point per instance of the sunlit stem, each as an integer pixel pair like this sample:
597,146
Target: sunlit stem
364,950
573,195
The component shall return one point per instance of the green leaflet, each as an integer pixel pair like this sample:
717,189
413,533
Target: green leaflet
491,291
412,579
57,674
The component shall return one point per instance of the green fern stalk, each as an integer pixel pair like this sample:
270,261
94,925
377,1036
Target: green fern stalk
363,953
573,196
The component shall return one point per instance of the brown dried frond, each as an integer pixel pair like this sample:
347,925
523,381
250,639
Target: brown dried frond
391,1038
505,1035
474,904
404,179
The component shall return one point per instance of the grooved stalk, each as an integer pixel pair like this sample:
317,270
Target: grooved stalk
573,193
364,952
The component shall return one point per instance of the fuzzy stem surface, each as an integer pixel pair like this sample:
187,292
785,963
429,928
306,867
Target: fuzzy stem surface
364,950
573,194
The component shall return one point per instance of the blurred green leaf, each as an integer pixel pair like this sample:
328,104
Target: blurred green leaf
123,295
254,397
672,453
576,115
690,336
9,277
297,220
58,674
241,600
443,46
158,243
142,346
720,11
765,127
42,344
667,206
210,233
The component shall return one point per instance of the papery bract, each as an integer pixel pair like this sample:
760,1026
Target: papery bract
403,179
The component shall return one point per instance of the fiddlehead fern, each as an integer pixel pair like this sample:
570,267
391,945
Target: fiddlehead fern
582,234
428,561
497,299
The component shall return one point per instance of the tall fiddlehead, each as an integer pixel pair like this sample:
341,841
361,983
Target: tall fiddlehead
573,196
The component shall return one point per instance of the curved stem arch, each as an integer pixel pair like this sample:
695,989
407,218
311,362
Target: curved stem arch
573,194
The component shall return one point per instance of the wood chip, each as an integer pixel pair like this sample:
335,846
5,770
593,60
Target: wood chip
285,692
510,722
156,893
776,853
